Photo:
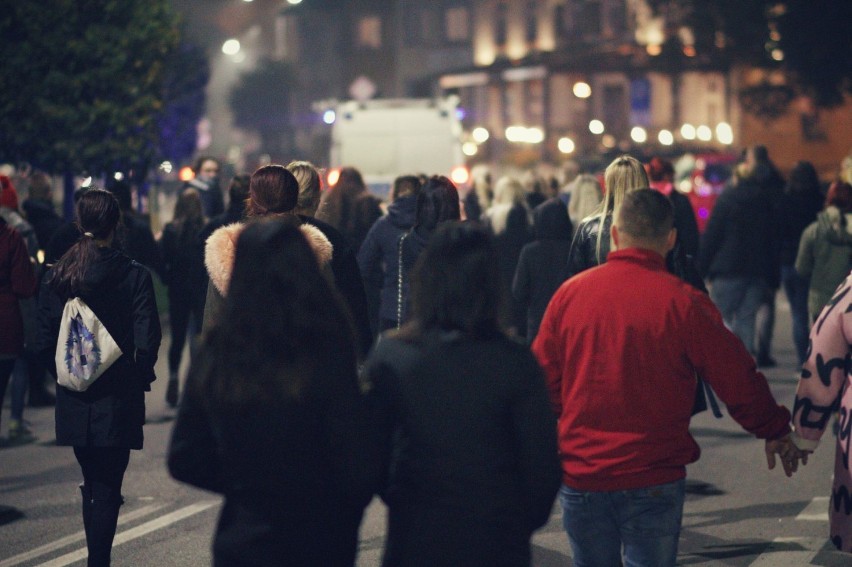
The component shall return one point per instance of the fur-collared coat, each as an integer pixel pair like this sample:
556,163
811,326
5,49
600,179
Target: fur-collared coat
220,252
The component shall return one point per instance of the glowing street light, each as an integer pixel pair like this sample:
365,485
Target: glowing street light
470,148
665,137
638,135
329,116
724,133
566,145
480,135
687,131
704,133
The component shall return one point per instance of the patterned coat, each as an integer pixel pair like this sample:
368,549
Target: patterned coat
826,379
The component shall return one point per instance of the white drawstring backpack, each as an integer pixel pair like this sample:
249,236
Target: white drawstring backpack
85,349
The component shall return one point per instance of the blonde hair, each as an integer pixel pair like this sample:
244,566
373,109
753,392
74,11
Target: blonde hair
623,175
508,193
310,186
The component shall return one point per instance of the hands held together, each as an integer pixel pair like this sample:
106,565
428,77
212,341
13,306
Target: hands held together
788,452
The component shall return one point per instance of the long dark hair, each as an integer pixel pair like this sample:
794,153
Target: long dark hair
189,215
437,201
338,206
98,215
281,317
455,284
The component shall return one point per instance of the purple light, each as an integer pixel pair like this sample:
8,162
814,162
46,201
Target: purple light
460,113
703,212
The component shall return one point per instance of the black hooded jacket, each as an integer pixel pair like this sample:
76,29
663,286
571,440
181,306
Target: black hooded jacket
541,266
112,411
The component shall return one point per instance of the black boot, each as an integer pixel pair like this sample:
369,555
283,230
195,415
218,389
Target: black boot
172,392
102,525
87,509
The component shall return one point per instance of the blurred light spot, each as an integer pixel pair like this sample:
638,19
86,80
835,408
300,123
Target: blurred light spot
566,145
329,116
333,177
687,131
704,133
638,134
460,175
724,133
608,141
777,55
596,127
480,135
470,148
654,50
166,167
118,176
665,137
703,212
87,182
186,173
231,47
582,90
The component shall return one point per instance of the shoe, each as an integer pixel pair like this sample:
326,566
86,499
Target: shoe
172,393
19,434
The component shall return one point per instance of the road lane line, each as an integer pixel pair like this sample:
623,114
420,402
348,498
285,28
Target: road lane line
74,538
816,511
790,552
137,532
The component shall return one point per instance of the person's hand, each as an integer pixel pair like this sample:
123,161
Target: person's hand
790,455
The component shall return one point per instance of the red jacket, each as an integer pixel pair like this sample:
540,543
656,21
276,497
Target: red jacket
17,281
620,345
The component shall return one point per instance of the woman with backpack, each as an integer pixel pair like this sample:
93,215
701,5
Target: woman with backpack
104,422
183,257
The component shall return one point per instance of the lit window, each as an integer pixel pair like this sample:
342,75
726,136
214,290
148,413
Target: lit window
370,32
457,23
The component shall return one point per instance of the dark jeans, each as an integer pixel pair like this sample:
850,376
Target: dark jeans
796,288
6,366
765,325
103,473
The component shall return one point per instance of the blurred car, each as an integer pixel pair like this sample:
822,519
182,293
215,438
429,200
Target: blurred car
702,178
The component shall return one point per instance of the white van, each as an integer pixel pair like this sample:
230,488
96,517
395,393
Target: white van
386,138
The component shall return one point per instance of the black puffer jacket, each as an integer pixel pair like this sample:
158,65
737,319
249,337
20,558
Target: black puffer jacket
112,411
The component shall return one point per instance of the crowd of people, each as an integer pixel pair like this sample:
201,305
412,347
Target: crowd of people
466,357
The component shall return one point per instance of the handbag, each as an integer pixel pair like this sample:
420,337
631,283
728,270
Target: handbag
85,349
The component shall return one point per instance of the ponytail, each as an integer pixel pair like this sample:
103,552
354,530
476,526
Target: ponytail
98,215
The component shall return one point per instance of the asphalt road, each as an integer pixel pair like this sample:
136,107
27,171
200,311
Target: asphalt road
737,512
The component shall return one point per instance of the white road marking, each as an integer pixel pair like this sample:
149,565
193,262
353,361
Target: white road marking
816,511
806,548
74,538
136,532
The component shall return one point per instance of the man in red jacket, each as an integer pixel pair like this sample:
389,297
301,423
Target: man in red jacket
621,345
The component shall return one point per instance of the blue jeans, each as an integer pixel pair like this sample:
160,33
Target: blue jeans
738,300
643,524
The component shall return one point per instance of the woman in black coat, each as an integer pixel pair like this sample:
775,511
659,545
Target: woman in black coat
272,416
467,436
540,268
104,422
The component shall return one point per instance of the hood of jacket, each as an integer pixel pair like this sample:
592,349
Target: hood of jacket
551,221
221,248
38,209
401,212
836,226
110,267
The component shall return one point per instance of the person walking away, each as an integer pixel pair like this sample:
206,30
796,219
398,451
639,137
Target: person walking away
349,207
182,250
39,209
541,263
801,202
272,416
103,423
772,183
509,220
824,386
238,192
437,203
470,459
134,236
591,242
206,182
620,346
378,259
825,250
273,192
344,263
17,281
738,252
585,197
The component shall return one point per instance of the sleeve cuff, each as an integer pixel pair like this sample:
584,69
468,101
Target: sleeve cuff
803,444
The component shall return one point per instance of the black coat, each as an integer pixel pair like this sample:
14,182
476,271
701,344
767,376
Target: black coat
741,236
541,266
112,411
183,264
347,279
44,219
470,442
296,475
378,257
509,243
